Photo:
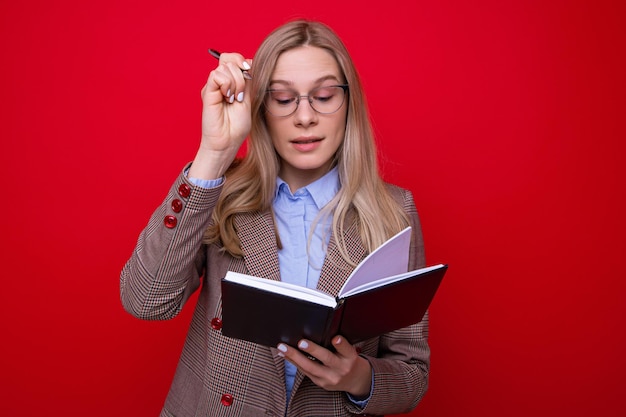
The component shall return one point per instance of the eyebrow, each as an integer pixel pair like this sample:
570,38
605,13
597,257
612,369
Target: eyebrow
320,80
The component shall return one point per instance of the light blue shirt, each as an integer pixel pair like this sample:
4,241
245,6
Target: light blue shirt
300,259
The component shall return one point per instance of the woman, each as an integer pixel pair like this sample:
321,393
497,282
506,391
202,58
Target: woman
304,205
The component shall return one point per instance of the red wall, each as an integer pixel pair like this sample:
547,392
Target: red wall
506,119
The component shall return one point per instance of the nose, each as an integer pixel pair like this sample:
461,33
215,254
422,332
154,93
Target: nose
305,115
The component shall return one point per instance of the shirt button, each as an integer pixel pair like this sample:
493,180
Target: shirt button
170,221
184,190
227,400
216,323
177,206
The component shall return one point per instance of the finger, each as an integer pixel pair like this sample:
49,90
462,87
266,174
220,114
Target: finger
301,359
238,59
343,348
221,79
239,82
243,64
247,65
315,352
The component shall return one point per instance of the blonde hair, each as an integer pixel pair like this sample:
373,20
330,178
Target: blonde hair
250,184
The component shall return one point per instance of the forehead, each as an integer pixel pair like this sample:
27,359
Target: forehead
304,67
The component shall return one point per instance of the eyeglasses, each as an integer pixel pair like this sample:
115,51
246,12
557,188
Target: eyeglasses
325,100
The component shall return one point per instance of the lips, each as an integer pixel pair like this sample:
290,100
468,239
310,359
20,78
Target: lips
306,144
299,141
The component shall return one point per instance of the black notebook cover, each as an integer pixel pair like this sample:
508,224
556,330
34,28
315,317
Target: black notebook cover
267,318
390,307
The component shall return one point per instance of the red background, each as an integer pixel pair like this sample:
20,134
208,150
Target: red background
506,120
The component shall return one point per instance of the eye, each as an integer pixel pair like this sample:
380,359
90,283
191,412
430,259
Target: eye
324,94
282,97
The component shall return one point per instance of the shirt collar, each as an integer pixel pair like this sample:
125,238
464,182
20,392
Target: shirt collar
321,190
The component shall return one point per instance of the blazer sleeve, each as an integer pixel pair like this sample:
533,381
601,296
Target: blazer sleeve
168,260
401,362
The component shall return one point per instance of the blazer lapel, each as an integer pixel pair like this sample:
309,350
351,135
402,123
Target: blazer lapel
335,269
257,237
258,242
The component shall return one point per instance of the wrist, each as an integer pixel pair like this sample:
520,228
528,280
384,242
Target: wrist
209,164
363,382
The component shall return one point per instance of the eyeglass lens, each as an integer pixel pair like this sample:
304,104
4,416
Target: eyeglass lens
325,100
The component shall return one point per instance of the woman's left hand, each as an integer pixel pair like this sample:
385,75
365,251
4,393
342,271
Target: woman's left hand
342,370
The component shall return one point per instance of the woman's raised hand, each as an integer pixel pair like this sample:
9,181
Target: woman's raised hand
226,117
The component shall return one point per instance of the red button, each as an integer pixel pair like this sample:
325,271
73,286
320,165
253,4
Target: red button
216,323
177,206
184,190
227,400
170,222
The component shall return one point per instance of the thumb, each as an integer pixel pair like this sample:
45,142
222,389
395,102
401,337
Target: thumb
343,347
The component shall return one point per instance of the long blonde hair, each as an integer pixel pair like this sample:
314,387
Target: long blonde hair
250,184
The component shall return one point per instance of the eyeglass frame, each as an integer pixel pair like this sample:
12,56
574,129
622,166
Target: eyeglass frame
344,87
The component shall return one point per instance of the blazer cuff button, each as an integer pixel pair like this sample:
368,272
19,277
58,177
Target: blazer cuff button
170,221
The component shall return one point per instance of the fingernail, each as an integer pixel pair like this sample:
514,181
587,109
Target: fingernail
282,348
228,93
240,97
231,99
245,65
303,344
247,75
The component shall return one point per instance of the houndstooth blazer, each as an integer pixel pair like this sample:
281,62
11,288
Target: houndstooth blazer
219,376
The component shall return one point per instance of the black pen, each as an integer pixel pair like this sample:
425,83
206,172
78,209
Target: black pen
215,54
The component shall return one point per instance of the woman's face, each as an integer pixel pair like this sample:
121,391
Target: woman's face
306,140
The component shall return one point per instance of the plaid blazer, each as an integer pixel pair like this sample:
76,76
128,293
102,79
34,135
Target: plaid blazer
219,376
